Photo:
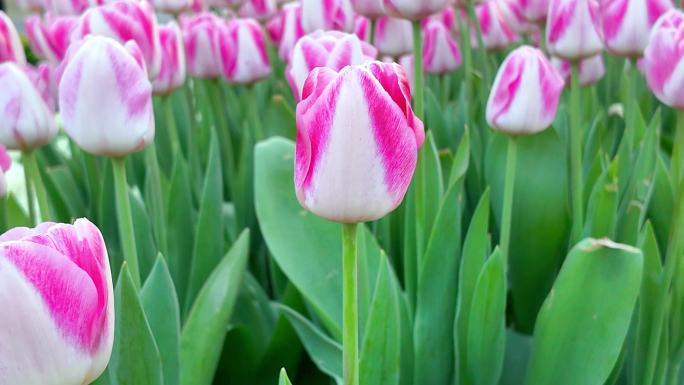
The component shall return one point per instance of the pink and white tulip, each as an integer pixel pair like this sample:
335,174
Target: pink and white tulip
440,51
66,7
172,73
200,36
5,163
26,121
125,20
286,29
43,78
173,7
242,49
414,9
572,29
524,97
627,24
10,44
50,38
327,15
535,11
590,70
372,9
663,61
261,10
393,36
114,123
496,32
513,14
331,49
357,142
30,6
56,280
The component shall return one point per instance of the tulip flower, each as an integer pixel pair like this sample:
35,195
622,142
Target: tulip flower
372,9
331,49
535,11
627,24
172,73
56,280
286,29
243,51
5,163
662,64
30,6
393,36
448,17
525,94
10,44
173,7
50,38
259,9
512,12
591,70
572,29
43,78
200,35
326,15
496,32
440,51
414,9
125,20
66,7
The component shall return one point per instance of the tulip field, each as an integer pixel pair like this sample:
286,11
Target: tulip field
341,192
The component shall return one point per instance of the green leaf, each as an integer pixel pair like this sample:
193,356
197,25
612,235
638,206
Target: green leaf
428,187
158,296
283,380
144,242
154,198
517,356
584,320
68,190
487,324
16,217
662,203
601,215
205,330
135,356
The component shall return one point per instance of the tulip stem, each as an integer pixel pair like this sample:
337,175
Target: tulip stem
467,65
171,127
125,219
373,25
509,188
350,324
30,197
419,78
31,169
254,119
576,157
3,215
480,45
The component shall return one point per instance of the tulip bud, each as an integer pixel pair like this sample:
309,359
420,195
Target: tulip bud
393,36
535,11
591,70
172,73
448,17
370,8
125,20
357,142
50,38
286,29
106,99
10,44
43,79
259,9
330,49
496,32
66,7
414,9
25,120
525,94
513,14
326,15
627,24
173,7
200,35
243,51
56,280
662,64
440,51
5,163
572,29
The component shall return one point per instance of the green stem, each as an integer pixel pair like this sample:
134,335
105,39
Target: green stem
542,40
31,168
373,25
171,127
467,65
509,187
30,198
419,78
254,118
125,219
157,203
3,215
350,324
576,157
631,104
222,130
480,44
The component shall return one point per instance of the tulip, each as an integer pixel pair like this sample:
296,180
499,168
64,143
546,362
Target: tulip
662,64
25,119
393,36
50,38
326,15
572,29
5,163
525,94
513,14
106,99
172,73
43,78
29,6
10,44
496,32
357,142
200,34
627,24
259,9
414,9
448,17
242,50
66,7
173,7
591,70
440,51
372,9
286,29
331,49
535,11
56,280
125,20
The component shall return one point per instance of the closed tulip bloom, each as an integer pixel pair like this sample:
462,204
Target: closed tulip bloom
627,24
286,29
440,51
106,99
5,163
261,10
30,6
66,7
496,32
50,38
242,49
56,280
393,36
172,73
10,45
591,70
125,20
525,94
572,29
174,7
448,17
414,9
663,64
535,11
331,49
200,35
357,142
512,13
370,8
43,78
26,121
327,15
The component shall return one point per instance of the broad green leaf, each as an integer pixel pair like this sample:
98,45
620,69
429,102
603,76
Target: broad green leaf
135,355
518,347
283,380
68,190
158,296
487,324
585,318
144,241
205,330
662,203
428,189
16,217
602,208
154,198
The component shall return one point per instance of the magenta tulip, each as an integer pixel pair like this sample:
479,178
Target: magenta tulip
591,70
414,9
572,29
286,29
261,10
393,36
663,62
369,8
242,49
496,32
440,51
10,44
327,15
627,24
200,35
172,73
50,37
